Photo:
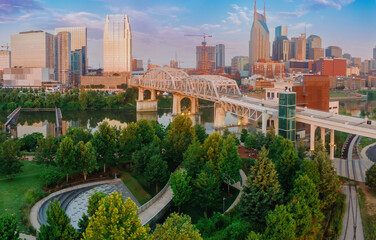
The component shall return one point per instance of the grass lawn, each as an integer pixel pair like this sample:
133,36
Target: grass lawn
136,188
195,212
365,142
337,94
367,202
12,192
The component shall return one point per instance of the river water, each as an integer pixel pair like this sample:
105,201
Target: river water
44,122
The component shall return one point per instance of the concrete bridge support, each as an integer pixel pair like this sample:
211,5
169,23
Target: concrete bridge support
276,126
219,116
150,105
332,145
322,136
243,122
176,104
265,118
312,140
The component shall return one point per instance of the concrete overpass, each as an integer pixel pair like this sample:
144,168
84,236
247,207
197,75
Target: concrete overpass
225,94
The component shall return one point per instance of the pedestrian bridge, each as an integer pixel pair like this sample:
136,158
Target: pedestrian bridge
225,93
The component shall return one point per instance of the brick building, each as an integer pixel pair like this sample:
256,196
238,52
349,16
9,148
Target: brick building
313,92
330,67
268,69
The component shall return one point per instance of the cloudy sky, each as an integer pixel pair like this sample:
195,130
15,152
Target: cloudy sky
159,26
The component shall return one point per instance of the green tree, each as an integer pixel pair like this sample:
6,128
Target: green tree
243,135
180,183
250,142
230,163
301,150
86,158
200,133
207,192
193,158
146,131
177,227
287,164
329,182
116,219
29,141
212,153
58,225
371,177
8,228
159,129
142,157
46,151
82,224
83,98
129,141
262,191
78,134
280,224
94,202
10,157
156,171
179,137
105,144
66,156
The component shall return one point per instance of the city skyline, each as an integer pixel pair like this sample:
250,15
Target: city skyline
158,29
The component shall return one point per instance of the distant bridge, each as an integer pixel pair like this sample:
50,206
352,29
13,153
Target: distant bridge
225,93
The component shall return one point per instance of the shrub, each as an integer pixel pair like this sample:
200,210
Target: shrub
51,176
371,177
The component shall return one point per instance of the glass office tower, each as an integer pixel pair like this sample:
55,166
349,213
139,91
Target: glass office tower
286,115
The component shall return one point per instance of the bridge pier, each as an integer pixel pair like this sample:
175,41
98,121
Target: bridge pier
322,136
332,145
243,122
176,105
312,140
150,105
219,116
276,126
265,118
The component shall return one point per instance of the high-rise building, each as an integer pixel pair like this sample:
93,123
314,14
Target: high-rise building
299,47
77,65
239,63
137,65
356,61
62,49
281,49
280,31
219,56
374,52
316,53
315,43
117,45
78,42
259,44
333,52
32,49
205,58
4,59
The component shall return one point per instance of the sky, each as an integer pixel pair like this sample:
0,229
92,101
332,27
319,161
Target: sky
158,26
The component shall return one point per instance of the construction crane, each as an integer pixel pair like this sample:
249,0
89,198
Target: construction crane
204,55
6,46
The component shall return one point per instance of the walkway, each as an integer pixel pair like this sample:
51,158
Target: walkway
352,227
355,166
27,237
160,201
239,186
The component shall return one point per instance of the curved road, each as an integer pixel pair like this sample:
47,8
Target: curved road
352,227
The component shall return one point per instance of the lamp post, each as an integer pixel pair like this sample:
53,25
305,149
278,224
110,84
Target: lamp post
224,199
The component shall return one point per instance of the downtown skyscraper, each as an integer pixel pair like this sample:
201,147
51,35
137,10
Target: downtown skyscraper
117,45
259,44
219,56
78,43
62,47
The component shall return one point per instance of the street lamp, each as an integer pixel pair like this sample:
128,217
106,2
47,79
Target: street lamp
224,199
